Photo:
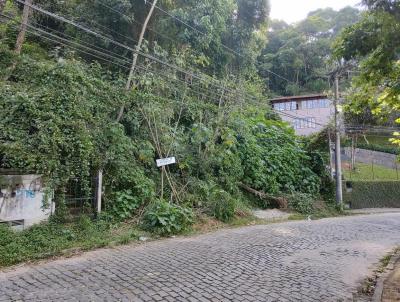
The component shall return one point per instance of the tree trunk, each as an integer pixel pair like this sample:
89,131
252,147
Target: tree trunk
278,201
2,5
22,30
135,56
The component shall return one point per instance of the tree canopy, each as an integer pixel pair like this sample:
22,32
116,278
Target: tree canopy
301,53
374,41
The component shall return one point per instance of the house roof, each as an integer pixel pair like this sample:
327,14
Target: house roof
298,97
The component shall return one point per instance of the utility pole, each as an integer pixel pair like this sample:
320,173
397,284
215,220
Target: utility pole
24,24
330,153
135,56
338,161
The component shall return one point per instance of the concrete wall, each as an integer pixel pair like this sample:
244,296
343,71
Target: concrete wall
21,198
369,157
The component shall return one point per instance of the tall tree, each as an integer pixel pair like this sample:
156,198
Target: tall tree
375,42
135,55
301,52
24,24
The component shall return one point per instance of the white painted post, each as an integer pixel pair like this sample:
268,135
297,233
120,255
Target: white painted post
99,190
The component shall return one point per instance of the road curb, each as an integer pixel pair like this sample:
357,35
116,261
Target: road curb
377,297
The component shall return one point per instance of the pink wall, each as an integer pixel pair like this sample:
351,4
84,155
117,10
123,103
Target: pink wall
321,115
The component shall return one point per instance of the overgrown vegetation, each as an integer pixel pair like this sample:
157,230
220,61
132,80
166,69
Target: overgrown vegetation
191,98
166,219
55,239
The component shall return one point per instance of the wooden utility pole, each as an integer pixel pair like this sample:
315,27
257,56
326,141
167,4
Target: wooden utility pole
24,24
338,161
135,56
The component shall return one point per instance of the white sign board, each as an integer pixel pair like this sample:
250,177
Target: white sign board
165,161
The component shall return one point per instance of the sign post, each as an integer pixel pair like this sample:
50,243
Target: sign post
162,162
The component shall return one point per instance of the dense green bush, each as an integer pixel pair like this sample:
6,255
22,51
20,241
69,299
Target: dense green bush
380,148
301,202
273,160
165,218
372,194
124,204
222,205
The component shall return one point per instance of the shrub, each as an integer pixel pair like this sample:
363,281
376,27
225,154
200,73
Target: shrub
301,202
166,219
380,148
222,205
124,204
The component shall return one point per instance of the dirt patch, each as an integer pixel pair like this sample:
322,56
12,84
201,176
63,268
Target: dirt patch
272,215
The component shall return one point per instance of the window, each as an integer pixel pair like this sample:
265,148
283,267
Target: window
302,123
313,104
305,104
285,106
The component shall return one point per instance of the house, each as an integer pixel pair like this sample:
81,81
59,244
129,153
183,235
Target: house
307,114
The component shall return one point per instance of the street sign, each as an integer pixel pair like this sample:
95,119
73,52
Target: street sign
165,161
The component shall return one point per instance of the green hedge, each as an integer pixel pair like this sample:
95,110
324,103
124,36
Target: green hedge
372,194
380,148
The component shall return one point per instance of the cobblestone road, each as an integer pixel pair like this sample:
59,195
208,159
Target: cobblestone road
296,261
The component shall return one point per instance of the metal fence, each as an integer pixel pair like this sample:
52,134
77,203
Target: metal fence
80,194
369,165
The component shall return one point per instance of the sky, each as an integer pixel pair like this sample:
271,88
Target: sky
296,10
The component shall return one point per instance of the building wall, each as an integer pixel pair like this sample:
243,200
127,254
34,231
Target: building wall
307,116
21,198
321,115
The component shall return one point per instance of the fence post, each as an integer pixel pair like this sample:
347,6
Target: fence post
373,174
99,190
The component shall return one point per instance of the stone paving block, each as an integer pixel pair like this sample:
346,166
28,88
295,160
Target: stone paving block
297,261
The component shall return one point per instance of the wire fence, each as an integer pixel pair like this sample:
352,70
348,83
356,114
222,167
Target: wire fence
80,195
360,164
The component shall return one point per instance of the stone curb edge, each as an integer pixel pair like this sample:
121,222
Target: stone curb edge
377,297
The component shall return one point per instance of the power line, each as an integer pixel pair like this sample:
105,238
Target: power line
137,22
91,54
150,57
294,117
193,28
118,57
169,38
88,51
222,44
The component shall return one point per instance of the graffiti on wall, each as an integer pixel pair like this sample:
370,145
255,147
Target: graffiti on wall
19,190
